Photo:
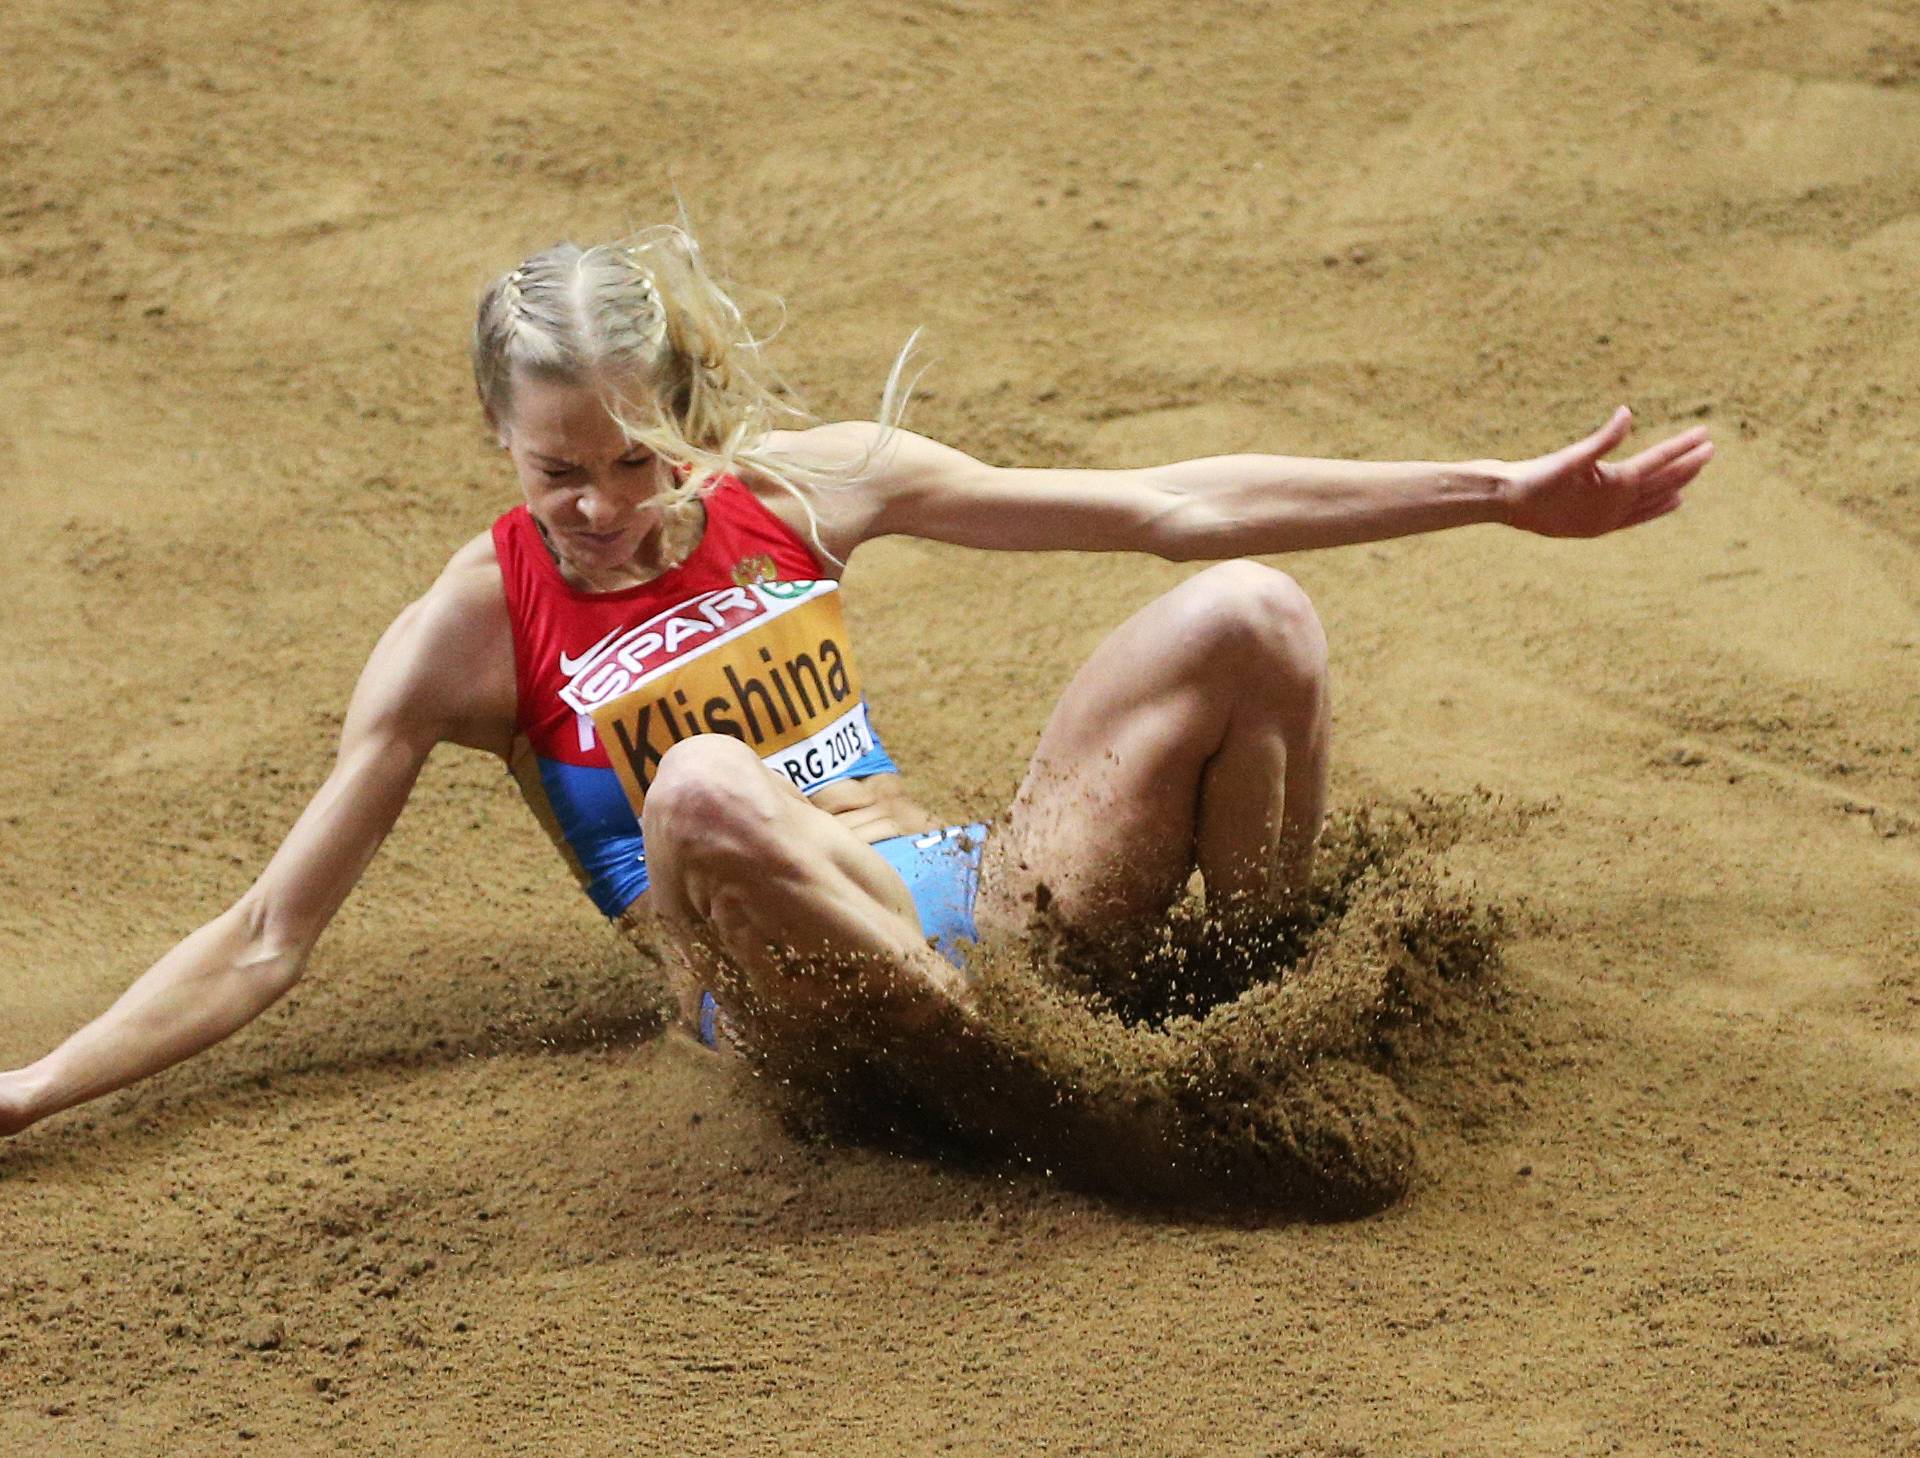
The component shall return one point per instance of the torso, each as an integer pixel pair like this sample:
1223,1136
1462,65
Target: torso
873,807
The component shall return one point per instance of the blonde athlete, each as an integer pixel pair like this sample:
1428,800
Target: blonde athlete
652,642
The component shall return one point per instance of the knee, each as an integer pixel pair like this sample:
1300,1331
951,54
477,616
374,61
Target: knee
712,804
1251,615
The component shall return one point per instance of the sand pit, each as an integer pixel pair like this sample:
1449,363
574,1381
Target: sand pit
1644,1183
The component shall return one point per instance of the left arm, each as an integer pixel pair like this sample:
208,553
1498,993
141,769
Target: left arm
1253,505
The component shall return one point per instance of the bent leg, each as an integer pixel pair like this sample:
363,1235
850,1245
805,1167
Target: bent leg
796,916
1194,737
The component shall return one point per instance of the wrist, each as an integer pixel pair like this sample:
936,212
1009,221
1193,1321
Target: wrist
22,1098
1491,484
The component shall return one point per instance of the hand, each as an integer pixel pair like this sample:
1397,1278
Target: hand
1573,493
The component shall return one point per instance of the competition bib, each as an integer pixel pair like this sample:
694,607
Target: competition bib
765,663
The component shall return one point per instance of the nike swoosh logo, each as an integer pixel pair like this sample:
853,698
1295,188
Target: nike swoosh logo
571,666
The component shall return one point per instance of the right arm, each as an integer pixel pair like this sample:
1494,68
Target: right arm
419,687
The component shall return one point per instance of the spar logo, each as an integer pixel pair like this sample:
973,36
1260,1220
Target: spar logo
627,656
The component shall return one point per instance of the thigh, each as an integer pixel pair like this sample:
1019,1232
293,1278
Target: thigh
741,863
1102,826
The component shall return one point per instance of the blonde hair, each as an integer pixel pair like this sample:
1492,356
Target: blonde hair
646,309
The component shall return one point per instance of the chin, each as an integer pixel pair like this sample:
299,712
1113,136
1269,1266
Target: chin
622,545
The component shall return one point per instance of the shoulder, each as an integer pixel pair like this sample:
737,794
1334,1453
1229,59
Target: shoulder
871,470
836,445
446,662
467,602
869,453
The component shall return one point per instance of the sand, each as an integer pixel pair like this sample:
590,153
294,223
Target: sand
1646,1179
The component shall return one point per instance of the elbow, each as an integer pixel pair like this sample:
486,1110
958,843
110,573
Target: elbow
271,950
1183,530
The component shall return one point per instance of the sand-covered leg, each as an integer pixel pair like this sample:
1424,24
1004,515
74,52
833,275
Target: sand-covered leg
800,920
1195,736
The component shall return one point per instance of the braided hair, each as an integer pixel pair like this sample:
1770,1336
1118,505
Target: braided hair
696,389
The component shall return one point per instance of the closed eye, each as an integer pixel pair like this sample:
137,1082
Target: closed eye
554,473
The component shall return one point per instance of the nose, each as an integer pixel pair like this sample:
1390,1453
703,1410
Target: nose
600,508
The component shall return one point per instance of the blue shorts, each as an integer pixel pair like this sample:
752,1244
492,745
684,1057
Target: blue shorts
942,871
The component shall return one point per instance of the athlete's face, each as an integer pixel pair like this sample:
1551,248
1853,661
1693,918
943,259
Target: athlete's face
596,494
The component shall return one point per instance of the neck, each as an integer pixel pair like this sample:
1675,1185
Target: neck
662,549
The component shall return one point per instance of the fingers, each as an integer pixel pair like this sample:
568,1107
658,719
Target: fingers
1651,507
1659,492
1678,471
1648,511
1607,436
1672,448
1585,453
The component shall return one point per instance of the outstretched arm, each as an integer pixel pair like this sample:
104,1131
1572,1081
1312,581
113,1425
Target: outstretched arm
230,970
1230,506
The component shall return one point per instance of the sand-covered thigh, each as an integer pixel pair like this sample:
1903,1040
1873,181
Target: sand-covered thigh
459,1192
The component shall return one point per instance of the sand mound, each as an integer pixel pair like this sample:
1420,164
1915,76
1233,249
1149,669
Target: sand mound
1261,1064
